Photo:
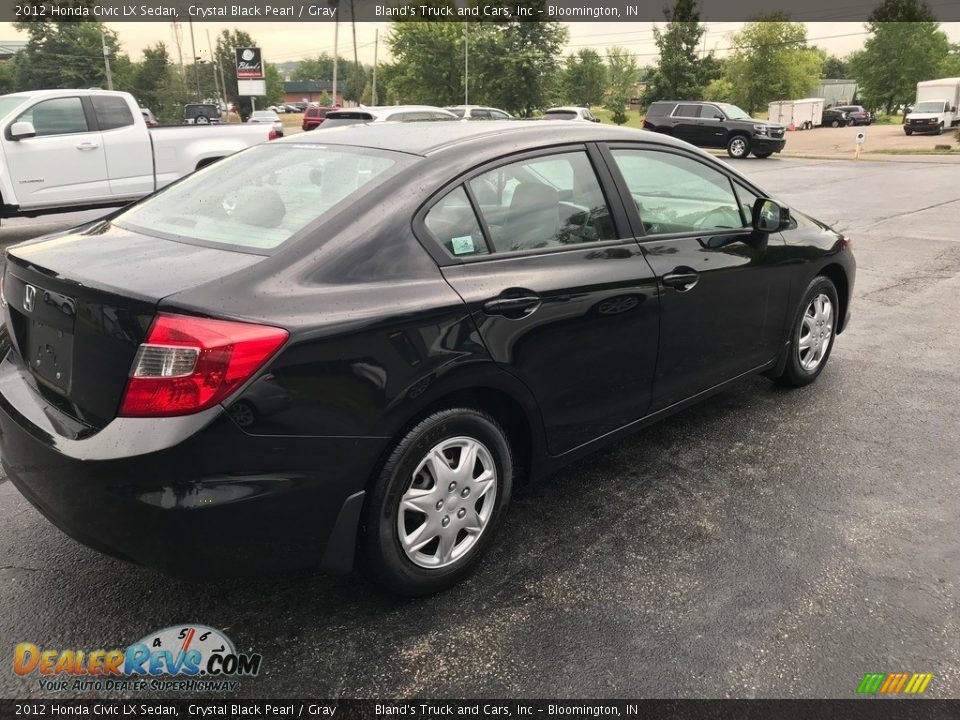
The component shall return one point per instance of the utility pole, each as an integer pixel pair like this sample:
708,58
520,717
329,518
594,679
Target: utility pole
356,61
106,60
196,70
466,63
336,54
213,65
376,44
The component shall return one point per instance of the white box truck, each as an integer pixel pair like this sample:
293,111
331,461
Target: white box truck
935,108
805,113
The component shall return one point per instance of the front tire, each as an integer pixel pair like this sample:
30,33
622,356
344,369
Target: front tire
908,131
940,129
738,147
812,335
436,504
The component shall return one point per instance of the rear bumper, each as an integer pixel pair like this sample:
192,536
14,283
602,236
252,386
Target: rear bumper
193,496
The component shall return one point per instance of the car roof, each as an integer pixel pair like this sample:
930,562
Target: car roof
565,108
523,134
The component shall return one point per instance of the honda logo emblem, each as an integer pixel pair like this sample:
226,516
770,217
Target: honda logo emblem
29,293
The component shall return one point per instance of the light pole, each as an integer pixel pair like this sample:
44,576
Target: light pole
466,63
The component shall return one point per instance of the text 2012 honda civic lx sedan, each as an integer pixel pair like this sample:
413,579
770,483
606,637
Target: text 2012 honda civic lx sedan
358,341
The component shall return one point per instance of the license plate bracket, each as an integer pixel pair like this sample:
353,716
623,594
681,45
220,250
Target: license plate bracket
51,355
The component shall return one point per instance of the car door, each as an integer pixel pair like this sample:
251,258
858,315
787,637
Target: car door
126,145
723,293
560,292
64,163
686,122
711,131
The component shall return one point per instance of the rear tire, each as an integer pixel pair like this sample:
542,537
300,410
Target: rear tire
812,335
429,517
738,147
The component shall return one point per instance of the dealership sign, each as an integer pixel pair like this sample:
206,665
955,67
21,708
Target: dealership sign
249,64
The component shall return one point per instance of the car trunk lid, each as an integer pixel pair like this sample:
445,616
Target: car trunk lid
78,305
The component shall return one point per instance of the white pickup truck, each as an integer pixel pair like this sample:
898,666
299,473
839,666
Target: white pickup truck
66,150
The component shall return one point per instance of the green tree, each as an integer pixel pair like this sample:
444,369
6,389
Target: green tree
836,68
621,80
227,42
951,63
585,78
681,73
67,55
770,60
519,63
150,77
905,46
274,84
428,63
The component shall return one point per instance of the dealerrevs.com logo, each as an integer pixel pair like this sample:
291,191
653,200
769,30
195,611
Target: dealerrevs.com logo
187,658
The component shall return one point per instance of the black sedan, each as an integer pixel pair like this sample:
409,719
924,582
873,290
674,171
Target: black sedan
360,340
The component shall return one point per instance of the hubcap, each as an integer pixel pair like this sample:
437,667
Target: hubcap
816,329
738,146
448,503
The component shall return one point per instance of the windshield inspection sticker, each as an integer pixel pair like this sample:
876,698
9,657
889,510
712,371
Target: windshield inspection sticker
462,245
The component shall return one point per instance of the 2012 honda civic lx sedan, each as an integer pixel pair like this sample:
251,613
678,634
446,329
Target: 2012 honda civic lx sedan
360,340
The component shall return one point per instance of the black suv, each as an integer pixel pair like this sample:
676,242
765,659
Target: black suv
723,125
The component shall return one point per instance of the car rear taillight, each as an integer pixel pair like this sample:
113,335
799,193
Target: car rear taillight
272,135
188,364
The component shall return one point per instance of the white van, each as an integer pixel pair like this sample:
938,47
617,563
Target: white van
935,108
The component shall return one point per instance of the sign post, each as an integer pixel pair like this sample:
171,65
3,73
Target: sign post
861,138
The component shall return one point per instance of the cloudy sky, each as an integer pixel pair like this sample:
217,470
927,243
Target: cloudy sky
282,42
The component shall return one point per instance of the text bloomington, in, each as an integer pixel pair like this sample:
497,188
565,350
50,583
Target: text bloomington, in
428,12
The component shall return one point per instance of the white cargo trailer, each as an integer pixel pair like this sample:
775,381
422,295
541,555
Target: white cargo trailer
805,113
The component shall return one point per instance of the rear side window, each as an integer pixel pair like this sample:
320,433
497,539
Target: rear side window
257,199
545,202
687,110
560,115
459,112
453,223
112,112
659,109
59,116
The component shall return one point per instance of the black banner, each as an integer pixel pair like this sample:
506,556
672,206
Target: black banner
224,11
854,709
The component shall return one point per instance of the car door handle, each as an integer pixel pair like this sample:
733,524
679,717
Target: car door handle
520,306
87,146
681,278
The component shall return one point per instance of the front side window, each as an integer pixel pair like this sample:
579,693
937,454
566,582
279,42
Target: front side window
261,197
676,194
112,112
59,116
545,202
499,115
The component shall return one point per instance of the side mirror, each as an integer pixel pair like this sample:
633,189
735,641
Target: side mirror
718,116
769,217
596,119
21,130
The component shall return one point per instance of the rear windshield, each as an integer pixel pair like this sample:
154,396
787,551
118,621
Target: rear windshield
560,115
257,199
196,110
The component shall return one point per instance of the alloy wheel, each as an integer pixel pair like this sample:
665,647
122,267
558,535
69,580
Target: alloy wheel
816,330
738,147
448,503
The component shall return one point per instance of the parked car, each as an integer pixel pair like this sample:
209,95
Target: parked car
570,113
313,117
298,108
279,109
392,113
148,117
267,117
479,112
856,114
835,118
200,114
416,354
75,149
720,125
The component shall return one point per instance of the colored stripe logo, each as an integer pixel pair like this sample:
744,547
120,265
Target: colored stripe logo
894,683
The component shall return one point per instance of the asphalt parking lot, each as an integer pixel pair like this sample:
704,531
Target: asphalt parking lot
766,543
